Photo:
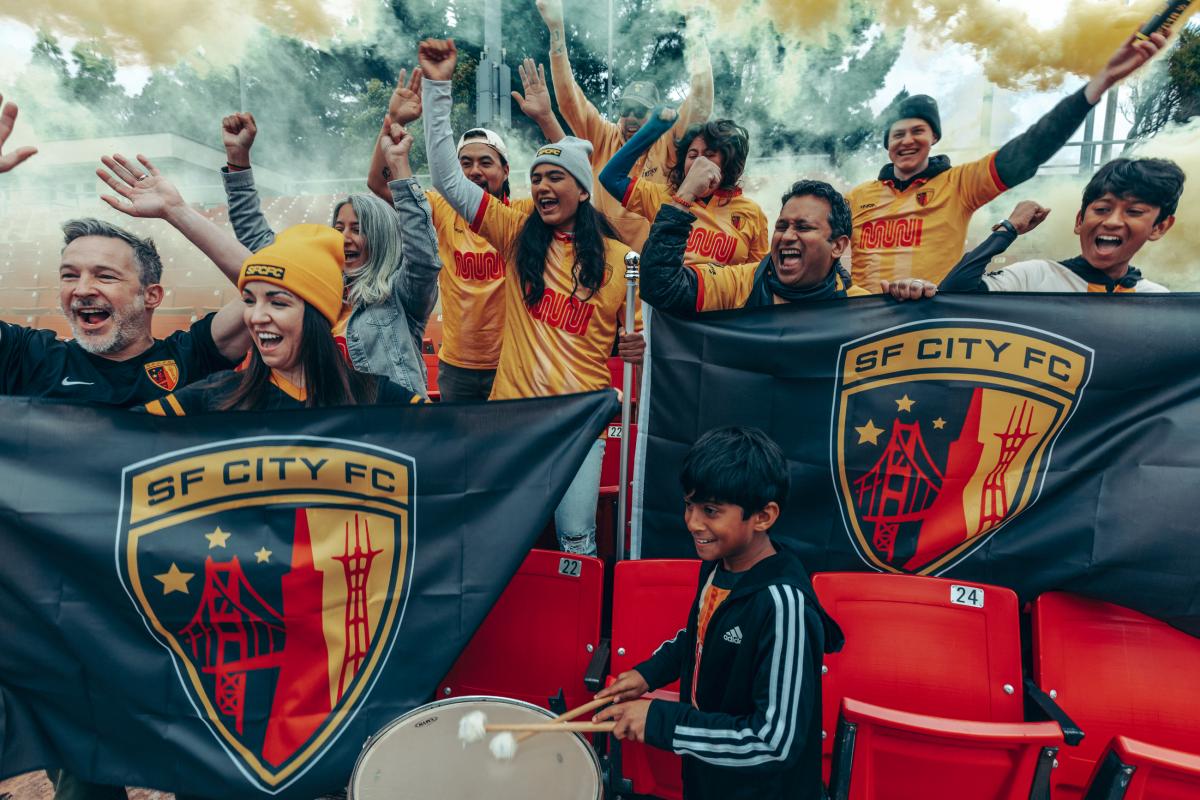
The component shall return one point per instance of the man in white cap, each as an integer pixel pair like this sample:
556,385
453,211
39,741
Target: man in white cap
472,277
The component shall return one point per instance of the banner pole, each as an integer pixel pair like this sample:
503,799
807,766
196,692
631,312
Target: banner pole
632,263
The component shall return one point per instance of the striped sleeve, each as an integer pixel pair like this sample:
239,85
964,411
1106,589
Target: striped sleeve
771,736
663,666
168,406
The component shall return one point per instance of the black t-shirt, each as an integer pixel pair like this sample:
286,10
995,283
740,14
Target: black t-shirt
209,394
33,363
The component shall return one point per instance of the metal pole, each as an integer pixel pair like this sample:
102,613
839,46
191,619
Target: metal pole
632,262
608,94
1087,153
1110,124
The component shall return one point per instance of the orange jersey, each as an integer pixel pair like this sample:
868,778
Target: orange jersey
922,231
723,288
562,344
471,285
586,122
730,228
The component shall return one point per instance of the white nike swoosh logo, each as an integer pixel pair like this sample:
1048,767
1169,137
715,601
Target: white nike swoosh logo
69,382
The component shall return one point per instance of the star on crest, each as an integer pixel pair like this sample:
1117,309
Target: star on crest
939,423
217,538
868,433
175,579
904,403
263,555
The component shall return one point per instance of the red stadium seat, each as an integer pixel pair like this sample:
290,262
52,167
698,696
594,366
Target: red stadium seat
651,602
540,635
616,368
167,321
924,646
610,482
431,378
1116,672
54,322
1133,770
884,754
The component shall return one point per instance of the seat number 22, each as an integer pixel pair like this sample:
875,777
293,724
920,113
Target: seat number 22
571,567
966,596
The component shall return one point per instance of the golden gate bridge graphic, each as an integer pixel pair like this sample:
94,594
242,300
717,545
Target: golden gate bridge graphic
236,632
905,481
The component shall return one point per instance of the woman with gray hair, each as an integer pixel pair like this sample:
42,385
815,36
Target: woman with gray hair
392,261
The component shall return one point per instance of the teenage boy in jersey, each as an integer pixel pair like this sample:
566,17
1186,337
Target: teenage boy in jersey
471,282
748,720
1127,203
911,222
810,235
607,137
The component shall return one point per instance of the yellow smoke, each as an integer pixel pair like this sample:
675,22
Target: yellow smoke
1014,53
158,33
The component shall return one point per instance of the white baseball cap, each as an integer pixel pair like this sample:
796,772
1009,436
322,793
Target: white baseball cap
484,136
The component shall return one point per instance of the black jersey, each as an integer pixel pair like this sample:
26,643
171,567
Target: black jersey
34,363
209,395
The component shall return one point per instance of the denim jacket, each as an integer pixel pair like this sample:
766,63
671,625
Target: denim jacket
384,338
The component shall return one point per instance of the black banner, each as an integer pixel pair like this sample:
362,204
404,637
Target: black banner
1033,441
229,605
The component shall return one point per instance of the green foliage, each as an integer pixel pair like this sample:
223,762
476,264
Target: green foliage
1171,94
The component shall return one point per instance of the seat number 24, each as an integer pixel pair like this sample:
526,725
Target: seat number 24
966,596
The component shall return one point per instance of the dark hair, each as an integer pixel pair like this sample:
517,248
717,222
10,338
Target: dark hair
737,465
478,134
328,377
1154,181
533,243
726,137
839,210
145,254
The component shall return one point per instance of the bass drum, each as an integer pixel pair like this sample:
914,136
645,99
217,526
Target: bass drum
419,756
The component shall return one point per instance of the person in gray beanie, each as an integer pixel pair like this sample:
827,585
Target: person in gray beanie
564,283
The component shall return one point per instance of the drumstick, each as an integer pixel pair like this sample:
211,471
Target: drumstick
570,715
542,727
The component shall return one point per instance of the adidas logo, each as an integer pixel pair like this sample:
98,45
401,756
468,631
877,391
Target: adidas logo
733,635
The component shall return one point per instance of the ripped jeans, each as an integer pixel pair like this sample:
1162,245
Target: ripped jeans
575,517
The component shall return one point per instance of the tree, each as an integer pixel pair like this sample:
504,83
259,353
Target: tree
1171,94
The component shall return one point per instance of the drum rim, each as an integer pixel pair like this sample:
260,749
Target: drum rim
587,746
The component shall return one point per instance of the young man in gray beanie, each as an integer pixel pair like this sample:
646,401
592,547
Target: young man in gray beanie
911,222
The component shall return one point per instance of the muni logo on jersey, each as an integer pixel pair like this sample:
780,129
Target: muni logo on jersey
275,571
942,433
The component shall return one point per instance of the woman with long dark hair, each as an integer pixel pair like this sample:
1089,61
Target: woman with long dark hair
729,228
566,297
292,291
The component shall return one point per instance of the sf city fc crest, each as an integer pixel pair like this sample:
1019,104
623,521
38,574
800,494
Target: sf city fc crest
275,571
942,434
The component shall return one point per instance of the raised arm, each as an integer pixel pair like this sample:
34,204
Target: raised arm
967,274
665,282
403,109
698,105
245,211
416,280
150,195
1019,159
438,58
535,104
576,109
615,175
8,118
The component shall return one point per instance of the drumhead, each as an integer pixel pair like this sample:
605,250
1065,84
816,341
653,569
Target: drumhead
419,756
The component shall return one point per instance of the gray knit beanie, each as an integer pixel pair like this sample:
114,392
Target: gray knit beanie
572,154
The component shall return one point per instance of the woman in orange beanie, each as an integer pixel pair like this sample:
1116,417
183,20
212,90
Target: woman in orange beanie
292,291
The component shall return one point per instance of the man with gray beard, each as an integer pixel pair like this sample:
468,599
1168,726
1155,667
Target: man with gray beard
108,288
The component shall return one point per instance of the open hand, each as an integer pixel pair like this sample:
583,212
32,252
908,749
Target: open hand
405,105
148,192
536,102
8,118
438,58
237,134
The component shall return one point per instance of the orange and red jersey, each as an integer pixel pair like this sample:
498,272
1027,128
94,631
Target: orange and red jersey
730,228
562,344
918,231
471,286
